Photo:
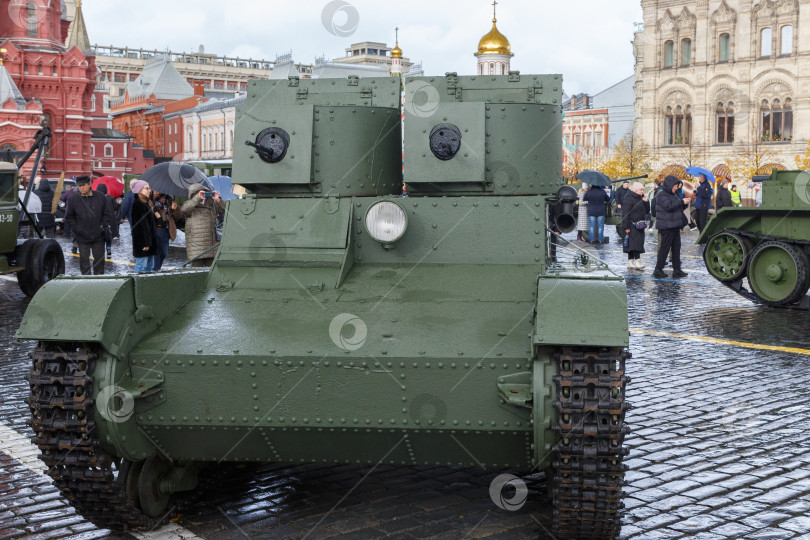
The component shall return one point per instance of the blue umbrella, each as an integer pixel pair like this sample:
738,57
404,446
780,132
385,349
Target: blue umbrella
224,186
594,178
697,171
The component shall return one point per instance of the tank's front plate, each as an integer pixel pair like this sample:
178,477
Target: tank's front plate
314,373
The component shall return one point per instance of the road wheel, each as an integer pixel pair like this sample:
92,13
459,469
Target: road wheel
779,273
25,277
726,255
153,492
45,262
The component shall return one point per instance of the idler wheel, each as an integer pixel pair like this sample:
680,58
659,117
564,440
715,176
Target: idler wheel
445,141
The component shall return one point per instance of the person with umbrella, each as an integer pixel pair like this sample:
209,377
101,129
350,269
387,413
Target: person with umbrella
703,195
144,227
165,212
201,211
597,201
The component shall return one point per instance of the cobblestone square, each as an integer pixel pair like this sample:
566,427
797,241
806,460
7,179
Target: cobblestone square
719,448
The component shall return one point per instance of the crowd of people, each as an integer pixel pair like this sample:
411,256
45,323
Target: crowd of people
666,207
93,219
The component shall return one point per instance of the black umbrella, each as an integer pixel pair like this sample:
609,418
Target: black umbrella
594,178
174,178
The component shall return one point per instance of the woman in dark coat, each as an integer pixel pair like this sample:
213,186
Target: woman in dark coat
635,209
144,228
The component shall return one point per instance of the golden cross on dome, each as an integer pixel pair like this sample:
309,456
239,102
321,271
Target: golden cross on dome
494,4
2,55
397,33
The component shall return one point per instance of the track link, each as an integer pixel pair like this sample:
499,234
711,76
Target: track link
61,402
587,458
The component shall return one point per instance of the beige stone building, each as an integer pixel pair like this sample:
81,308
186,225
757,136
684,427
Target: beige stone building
720,78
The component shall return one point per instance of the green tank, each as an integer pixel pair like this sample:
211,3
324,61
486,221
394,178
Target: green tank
769,244
343,322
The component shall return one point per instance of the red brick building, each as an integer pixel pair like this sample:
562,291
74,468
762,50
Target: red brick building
60,77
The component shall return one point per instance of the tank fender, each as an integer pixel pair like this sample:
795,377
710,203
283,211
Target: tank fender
566,313
114,311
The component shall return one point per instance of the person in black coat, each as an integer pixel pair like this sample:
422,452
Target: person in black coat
621,193
144,227
723,196
113,232
703,202
46,219
670,219
87,215
636,208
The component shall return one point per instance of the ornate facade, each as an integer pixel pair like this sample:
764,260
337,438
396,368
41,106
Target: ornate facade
723,78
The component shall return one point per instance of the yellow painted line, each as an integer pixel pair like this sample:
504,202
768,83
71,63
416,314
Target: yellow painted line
743,344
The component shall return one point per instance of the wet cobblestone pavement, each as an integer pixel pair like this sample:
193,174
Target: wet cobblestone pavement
720,441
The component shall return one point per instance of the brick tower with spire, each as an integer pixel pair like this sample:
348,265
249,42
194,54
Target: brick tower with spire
50,64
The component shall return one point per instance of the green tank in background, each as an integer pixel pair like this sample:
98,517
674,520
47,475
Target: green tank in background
344,323
767,244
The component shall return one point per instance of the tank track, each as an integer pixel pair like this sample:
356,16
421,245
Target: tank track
587,458
61,402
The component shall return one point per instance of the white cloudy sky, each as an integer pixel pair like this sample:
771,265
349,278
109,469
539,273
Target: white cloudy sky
588,41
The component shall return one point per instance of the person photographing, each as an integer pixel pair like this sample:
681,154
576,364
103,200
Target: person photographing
201,211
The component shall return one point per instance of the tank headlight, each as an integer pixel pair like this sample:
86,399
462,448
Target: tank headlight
386,222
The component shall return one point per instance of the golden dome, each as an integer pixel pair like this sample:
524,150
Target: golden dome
396,52
494,42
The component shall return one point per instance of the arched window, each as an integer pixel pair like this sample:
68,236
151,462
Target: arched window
677,125
686,52
492,69
776,120
725,47
786,40
190,141
669,53
32,20
765,42
108,150
725,123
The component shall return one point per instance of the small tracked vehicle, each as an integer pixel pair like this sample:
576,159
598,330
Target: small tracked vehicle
768,245
344,323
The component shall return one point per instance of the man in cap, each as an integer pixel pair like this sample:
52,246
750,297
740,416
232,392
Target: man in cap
88,215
